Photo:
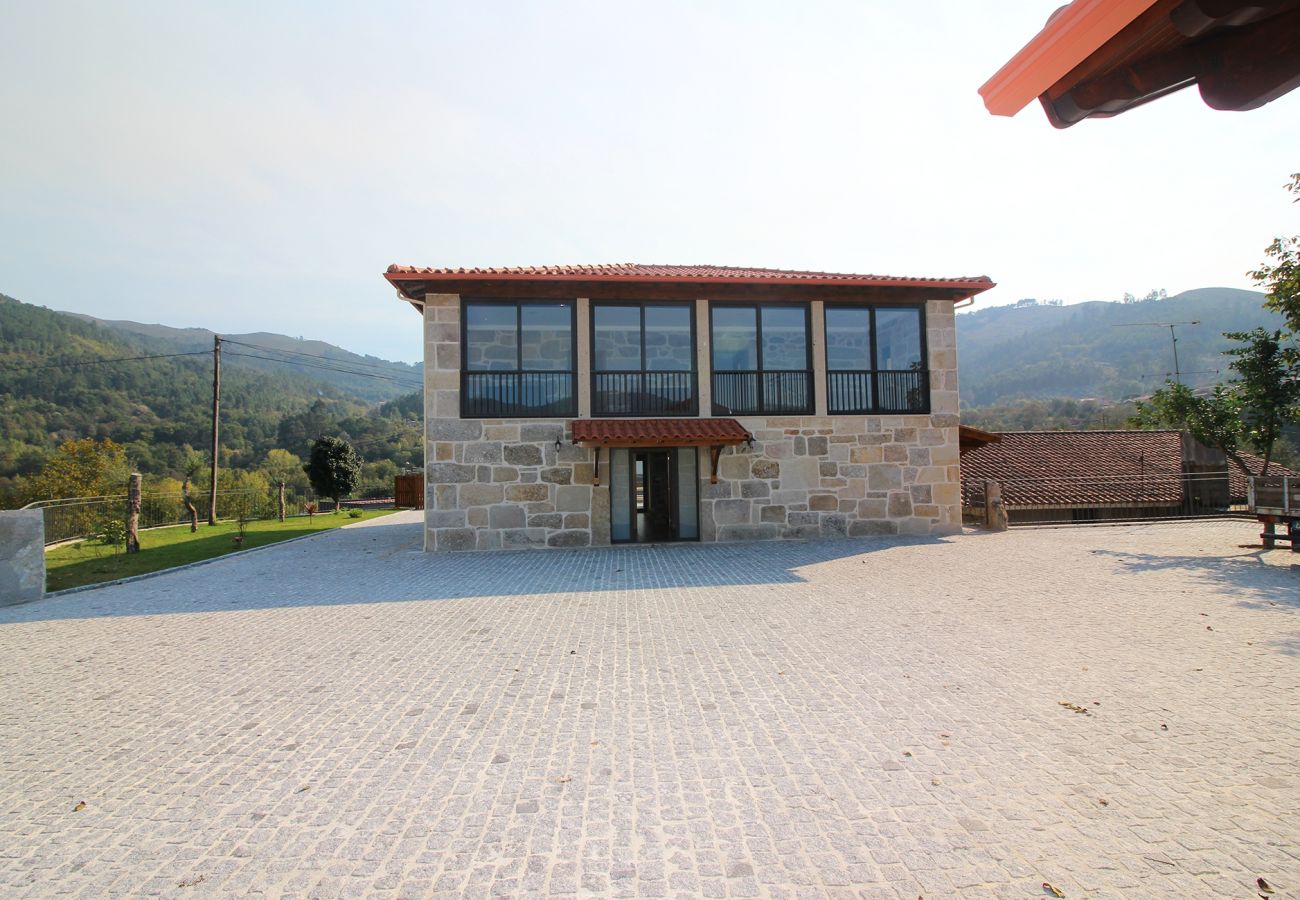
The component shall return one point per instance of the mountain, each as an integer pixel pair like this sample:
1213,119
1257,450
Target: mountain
64,376
1096,350
385,380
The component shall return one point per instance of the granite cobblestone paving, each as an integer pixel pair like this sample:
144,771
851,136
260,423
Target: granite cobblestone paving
347,716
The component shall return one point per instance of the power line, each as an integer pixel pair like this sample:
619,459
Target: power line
331,359
294,362
102,362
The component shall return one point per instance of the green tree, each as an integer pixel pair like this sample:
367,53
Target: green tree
83,468
1214,419
281,465
334,468
1280,278
1268,387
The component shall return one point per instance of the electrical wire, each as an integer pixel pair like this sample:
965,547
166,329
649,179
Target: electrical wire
292,362
102,362
385,368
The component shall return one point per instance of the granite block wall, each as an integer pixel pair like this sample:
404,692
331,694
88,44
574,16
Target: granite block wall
506,484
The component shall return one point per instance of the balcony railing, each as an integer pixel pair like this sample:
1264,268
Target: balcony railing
862,391
643,394
495,395
762,393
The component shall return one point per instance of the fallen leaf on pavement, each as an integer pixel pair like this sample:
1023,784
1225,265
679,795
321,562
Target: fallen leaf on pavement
1053,889
80,806
1264,886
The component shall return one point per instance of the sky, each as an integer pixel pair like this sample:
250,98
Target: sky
256,166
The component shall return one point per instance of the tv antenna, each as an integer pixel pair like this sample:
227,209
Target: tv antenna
1173,336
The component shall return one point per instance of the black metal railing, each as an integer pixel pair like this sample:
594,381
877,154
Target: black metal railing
494,395
643,394
762,393
883,391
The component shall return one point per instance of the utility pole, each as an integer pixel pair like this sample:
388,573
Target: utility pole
216,415
1173,336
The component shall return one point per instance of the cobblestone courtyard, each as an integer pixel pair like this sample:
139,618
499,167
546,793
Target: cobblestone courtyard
344,716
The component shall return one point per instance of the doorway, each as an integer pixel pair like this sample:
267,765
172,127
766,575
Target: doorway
653,495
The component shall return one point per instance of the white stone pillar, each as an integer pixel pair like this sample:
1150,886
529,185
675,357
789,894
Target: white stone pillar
818,339
584,357
703,360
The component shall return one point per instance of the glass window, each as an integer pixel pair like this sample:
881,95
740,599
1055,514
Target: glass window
517,359
617,344
668,345
898,339
643,359
735,338
785,338
760,360
875,360
547,338
490,338
848,339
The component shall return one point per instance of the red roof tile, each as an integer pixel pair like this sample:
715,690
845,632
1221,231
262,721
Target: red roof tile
657,432
662,273
1082,468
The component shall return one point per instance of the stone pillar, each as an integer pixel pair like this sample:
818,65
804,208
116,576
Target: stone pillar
584,348
995,514
818,338
22,556
441,397
703,361
133,513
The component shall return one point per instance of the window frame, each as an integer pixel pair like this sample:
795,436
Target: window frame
759,370
519,370
641,305
876,408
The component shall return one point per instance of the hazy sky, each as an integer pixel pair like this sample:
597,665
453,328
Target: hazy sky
256,166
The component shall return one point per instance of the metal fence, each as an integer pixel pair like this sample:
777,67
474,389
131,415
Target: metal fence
70,518
1132,498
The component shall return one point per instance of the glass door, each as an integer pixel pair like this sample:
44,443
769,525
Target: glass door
653,495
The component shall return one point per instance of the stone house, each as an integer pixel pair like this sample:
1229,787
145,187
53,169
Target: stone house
575,406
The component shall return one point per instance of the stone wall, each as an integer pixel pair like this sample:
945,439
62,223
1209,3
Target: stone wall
22,555
502,484
815,476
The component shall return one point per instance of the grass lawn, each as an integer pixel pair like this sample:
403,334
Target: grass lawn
90,562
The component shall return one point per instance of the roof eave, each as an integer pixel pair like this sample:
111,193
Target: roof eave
963,288
1071,35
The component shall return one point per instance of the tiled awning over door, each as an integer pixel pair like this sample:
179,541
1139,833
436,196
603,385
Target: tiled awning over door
657,432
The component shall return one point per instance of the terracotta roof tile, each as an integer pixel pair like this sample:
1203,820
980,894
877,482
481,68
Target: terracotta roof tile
642,272
1076,468
656,432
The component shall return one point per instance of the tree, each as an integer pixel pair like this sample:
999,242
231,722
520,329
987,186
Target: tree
334,468
1251,410
1214,420
83,468
281,465
1268,390
1281,278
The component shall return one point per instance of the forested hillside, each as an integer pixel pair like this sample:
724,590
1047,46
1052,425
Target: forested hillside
319,361
64,377
1089,350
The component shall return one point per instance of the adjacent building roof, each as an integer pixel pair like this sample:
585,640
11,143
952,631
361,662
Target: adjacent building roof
1097,58
1090,468
416,281
657,432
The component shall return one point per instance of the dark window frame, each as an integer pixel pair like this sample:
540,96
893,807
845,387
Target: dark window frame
572,371
759,370
874,373
641,305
